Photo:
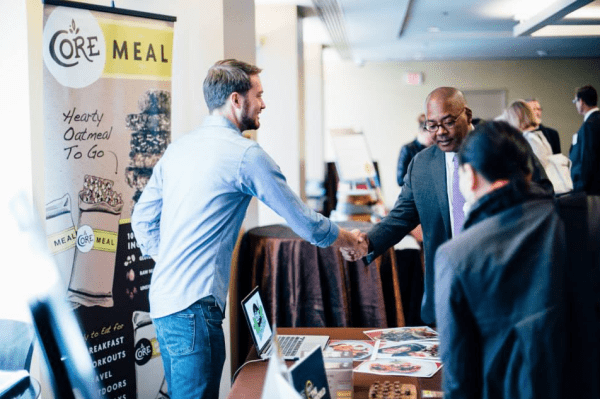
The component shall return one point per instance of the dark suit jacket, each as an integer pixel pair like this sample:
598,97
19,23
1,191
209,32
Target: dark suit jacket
585,155
424,200
552,137
407,153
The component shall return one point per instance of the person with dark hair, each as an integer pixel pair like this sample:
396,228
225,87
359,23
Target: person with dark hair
188,219
430,195
499,283
585,150
407,152
550,134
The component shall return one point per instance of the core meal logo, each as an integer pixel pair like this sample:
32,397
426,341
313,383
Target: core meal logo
85,238
74,47
143,351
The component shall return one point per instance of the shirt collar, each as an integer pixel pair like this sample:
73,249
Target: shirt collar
450,159
220,121
587,114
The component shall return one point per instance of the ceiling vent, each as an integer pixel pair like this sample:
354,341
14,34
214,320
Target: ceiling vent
330,12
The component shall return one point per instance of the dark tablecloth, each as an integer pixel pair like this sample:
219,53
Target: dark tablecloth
306,286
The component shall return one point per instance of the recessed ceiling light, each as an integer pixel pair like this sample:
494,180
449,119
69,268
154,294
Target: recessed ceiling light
433,29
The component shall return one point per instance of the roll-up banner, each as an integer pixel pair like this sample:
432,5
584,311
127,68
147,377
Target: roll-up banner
107,121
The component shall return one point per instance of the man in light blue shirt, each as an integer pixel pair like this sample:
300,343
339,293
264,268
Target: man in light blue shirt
188,219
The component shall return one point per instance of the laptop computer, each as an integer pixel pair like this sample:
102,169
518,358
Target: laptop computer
292,346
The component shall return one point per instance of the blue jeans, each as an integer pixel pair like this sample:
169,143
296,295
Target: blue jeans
192,347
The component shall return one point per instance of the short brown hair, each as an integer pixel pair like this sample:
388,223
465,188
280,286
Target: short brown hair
226,77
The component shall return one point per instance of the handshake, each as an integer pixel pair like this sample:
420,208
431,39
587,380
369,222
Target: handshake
352,244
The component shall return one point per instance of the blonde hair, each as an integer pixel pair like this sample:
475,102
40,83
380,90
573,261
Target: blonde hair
520,115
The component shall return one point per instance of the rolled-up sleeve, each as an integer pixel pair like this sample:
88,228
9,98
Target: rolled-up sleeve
260,176
145,219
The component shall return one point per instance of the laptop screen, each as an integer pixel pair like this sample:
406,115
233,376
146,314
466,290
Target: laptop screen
260,329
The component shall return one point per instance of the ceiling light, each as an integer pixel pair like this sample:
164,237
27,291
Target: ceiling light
542,53
433,29
568,30
548,15
591,11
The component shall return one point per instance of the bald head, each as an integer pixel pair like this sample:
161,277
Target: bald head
443,94
448,117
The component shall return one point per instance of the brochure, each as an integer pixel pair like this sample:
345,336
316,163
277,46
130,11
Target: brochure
309,377
399,334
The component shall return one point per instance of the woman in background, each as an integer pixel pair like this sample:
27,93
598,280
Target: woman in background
557,166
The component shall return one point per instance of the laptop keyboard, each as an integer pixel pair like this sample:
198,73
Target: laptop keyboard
289,345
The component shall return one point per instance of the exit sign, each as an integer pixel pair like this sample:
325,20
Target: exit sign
414,78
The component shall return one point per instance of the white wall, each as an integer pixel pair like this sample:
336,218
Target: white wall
375,100
313,89
281,134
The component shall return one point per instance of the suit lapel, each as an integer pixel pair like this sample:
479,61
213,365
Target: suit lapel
438,176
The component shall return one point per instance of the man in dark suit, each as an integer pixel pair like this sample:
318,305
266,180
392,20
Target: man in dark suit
585,151
430,194
550,134
408,151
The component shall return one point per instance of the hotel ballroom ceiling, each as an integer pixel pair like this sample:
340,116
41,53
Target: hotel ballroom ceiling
405,30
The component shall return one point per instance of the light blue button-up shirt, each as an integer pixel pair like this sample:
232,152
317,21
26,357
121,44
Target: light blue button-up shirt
190,213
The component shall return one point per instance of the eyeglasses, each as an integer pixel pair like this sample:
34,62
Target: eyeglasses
575,100
448,124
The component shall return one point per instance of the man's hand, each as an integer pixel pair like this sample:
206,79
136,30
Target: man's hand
352,244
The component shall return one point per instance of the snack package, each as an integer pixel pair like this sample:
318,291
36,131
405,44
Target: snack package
147,358
61,235
94,265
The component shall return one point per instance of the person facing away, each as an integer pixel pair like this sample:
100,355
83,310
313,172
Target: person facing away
520,115
408,151
430,195
499,283
550,134
188,219
585,150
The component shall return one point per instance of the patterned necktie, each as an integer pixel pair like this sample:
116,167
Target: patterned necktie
458,201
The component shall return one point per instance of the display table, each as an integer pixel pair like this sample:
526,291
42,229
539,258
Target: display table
250,380
305,286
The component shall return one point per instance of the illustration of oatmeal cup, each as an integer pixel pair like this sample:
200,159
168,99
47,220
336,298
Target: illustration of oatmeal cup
94,265
61,235
147,358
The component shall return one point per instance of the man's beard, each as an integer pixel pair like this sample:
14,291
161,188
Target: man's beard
247,123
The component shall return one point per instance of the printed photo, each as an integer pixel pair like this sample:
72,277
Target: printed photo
420,349
400,334
360,349
404,366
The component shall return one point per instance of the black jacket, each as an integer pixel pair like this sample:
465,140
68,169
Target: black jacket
407,153
585,155
499,299
552,137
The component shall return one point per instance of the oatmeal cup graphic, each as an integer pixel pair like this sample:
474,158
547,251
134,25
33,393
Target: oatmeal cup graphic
94,264
61,235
